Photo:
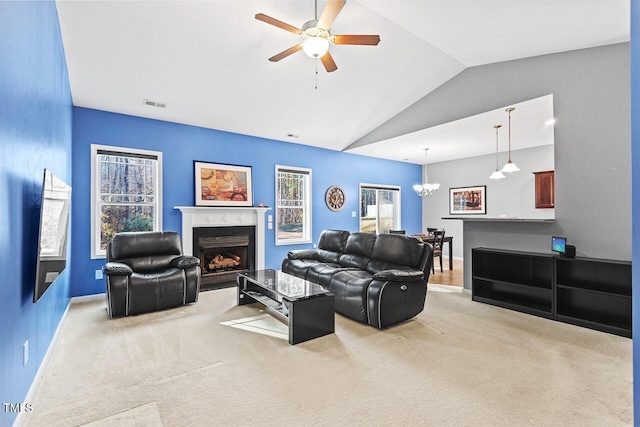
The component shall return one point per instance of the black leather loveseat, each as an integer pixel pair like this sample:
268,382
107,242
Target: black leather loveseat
376,279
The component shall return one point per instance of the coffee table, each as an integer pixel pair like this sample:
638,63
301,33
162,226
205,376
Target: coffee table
308,307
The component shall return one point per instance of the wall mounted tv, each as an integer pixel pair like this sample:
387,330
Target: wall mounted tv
53,232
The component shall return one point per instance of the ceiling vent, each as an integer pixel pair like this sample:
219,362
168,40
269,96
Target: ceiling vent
154,103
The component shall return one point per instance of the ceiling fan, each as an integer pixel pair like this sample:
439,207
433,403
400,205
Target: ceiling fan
316,35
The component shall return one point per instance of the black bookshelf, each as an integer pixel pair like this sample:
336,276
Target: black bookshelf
593,293
521,281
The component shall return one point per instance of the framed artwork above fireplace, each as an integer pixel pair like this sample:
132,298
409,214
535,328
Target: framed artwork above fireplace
219,184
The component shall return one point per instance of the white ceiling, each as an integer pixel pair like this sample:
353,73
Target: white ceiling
207,60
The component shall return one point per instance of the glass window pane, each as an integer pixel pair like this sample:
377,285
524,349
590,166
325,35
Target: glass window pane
368,210
117,218
379,209
126,200
292,212
290,223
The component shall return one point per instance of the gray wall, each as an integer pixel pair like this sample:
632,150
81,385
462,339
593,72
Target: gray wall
591,97
513,196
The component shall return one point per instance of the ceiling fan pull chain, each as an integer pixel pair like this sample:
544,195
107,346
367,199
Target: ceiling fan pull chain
316,73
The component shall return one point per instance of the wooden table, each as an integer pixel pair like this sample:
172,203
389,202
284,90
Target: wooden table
447,239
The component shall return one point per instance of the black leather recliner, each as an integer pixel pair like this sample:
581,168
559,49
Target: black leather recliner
146,271
376,279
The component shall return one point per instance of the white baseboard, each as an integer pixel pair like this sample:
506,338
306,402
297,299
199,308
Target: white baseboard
45,360
88,298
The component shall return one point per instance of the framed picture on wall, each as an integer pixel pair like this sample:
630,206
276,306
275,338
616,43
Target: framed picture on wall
468,200
222,185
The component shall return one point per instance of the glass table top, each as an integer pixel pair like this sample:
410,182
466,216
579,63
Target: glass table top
284,284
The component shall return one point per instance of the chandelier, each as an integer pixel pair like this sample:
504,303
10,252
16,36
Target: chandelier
426,189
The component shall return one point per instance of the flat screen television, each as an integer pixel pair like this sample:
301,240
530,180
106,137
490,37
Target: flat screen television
53,232
559,244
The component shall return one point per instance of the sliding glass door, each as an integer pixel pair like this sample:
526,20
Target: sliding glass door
379,208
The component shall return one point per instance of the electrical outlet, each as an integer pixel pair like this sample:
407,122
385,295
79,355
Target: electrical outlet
353,214
269,226
98,274
25,353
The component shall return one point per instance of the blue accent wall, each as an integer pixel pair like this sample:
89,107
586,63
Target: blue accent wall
182,144
35,133
635,200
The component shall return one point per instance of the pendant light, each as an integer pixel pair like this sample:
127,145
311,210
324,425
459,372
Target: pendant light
509,166
426,189
497,174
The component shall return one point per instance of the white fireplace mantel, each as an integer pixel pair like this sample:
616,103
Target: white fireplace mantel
205,216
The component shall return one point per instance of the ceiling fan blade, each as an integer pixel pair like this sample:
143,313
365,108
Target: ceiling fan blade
285,53
328,62
368,40
273,21
331,10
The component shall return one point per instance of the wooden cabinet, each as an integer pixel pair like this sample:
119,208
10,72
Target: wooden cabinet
594,293
545,189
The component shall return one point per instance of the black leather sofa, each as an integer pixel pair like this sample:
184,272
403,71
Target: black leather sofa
146,271
376,279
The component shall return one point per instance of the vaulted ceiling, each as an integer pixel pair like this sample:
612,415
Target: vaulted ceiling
207,60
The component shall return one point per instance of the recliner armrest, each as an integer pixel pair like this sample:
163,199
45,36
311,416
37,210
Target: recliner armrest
185,261
303,254
399,275
116,269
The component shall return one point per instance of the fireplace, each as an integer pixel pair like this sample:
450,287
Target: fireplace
223,252
212,224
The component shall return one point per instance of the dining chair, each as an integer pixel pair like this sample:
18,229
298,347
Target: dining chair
438,241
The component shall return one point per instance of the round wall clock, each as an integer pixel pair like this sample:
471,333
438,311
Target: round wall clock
335,198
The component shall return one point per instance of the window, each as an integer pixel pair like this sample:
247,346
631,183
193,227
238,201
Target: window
379,208
293,205
126,193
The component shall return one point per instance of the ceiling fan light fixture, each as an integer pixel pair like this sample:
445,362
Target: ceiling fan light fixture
315,47
315,39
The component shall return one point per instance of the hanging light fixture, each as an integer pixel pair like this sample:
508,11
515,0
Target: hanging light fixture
497,174
509,166
426,189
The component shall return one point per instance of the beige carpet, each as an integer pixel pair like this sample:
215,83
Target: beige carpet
459,363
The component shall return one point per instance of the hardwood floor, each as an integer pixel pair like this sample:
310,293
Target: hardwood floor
453,277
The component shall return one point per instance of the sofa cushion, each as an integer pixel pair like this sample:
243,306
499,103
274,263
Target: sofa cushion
321,273
314,254
354,261
297,267
166,291
377,265
360,244
333,240
398,249
350,290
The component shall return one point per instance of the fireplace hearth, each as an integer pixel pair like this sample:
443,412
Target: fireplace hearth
223,252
